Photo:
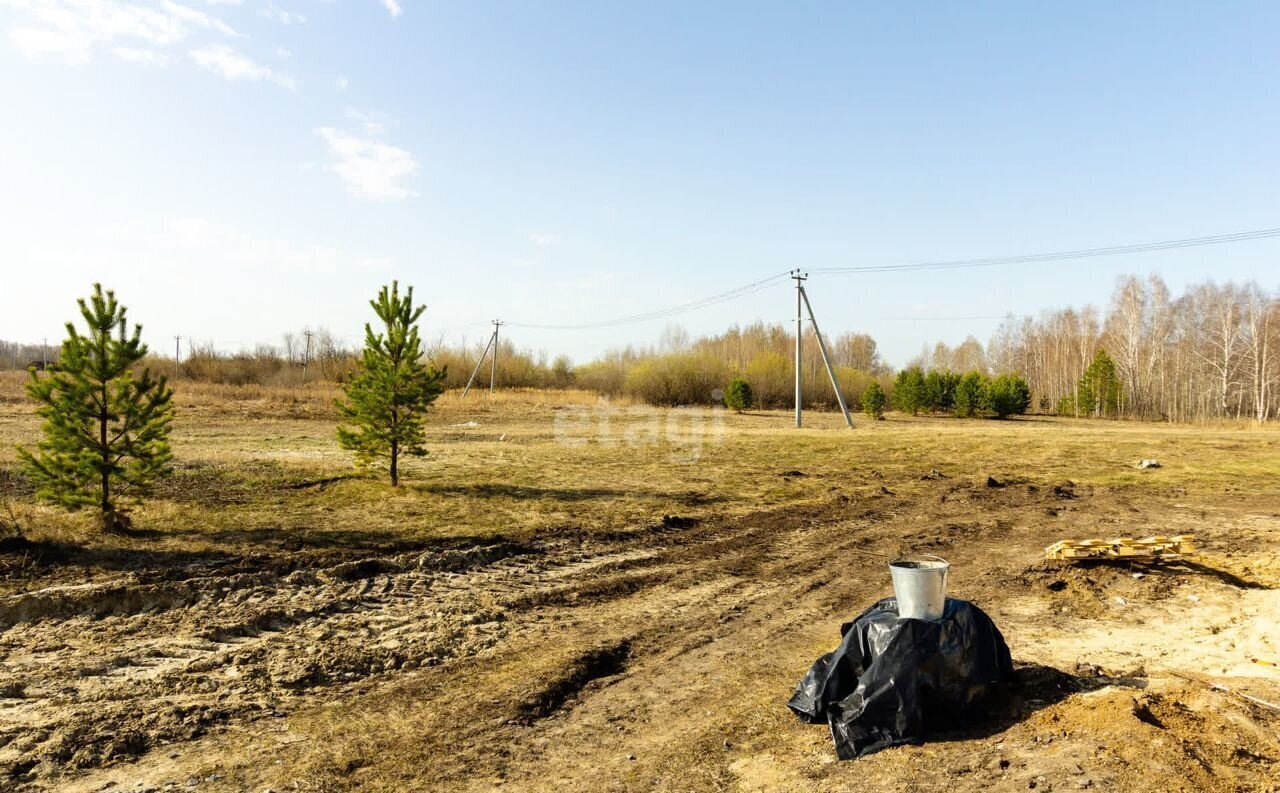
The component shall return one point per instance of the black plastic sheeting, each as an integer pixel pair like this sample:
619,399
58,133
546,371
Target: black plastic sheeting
894,681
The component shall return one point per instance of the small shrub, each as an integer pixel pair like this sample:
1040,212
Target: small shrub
738,395
873,401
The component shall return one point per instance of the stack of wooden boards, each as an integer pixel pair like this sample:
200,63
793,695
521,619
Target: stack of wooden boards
1158,547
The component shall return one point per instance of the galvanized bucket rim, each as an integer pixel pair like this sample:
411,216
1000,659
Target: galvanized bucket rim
921,562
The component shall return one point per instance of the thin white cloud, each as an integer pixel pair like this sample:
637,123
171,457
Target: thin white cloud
283,53
196,18
232,65
341,84
544,239
369,168
72,46
393,7
73,31
271,11
140,55
374,123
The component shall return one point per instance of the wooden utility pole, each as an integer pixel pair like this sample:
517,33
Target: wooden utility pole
177,355
799,278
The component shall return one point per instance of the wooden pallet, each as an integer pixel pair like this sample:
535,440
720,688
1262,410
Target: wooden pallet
1157,547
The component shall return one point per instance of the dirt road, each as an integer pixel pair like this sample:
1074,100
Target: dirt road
656,657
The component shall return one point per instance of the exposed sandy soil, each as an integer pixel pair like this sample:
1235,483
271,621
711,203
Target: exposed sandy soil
655,657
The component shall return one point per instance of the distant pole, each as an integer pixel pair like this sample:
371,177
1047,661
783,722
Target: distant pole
477,369
493,362
799,278
177,355
44,354
306,357
826,360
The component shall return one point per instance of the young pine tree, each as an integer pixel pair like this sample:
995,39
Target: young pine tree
939,392
106,429
908,390
873,400
388,399
971,395
738,396
1099,388
1008,395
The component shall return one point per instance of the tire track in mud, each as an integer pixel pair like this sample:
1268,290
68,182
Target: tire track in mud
92,673
104,671
698,588
617,645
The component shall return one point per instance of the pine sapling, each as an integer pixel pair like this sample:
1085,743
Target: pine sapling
386,402
106,426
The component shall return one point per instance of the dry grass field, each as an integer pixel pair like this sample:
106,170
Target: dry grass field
573,596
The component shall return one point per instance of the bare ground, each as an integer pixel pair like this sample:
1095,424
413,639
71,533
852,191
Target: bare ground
656,656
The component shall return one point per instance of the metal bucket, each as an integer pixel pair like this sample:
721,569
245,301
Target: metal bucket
920,585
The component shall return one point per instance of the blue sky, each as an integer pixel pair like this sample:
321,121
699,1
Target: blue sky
238,169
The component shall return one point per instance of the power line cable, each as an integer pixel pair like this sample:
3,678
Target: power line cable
683,308
756,286
1048,312
1084,253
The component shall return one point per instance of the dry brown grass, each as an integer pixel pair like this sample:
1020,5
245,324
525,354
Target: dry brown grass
527,463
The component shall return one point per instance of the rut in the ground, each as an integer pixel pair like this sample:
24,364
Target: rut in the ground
114,668
94,672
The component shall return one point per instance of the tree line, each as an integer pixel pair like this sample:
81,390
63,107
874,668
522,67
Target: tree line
1211,353
677,370
684,371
